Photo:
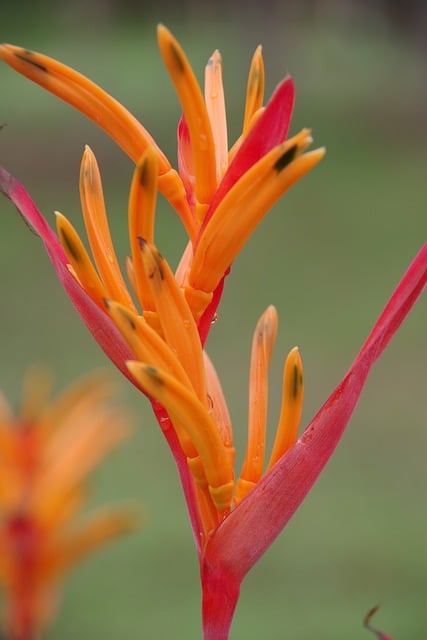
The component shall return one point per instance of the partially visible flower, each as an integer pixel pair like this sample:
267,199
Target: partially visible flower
47,450
367,625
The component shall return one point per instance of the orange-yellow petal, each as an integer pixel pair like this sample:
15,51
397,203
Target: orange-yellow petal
195,113
149,347
98,230
176,319
87,97
255,90
142,208
242,209
262,349
145,343
82,267
184,407
217,407
291,410
215,105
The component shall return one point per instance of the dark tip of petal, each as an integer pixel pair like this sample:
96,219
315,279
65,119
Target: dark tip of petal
144,174
71,248
177,57
153,373
297,380
285,159
106,302
157,256
254,81
159,260
142,243
128,318
25,56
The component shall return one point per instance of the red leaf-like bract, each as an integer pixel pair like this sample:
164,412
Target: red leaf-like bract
244,536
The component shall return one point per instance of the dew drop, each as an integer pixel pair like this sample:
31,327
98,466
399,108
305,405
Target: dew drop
215,318
164,423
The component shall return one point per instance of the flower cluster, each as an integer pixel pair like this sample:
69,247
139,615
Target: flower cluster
155,330
220,196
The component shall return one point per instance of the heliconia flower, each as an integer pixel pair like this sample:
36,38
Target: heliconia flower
47,450
234,521
155,333
367,625
219,194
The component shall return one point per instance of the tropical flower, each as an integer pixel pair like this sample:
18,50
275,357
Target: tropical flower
220,195
156,333
47,450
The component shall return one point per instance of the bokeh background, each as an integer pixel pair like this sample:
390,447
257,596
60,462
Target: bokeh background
327,256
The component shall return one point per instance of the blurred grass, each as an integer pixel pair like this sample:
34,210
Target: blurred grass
328,256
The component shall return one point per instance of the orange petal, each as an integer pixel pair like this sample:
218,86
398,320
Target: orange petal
215,105
82,267
184,407
176,319
98,231
254,91
243,208
195,113
142,208
262,349
87,97
290,413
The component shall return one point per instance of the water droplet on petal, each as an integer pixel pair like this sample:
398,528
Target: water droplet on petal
215,318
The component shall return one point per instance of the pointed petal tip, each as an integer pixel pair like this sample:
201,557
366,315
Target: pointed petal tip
162,31
6,49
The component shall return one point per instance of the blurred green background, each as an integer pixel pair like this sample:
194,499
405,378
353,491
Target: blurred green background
328,257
